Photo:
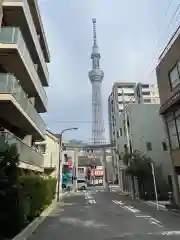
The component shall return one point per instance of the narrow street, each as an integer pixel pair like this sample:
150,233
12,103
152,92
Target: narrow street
99,215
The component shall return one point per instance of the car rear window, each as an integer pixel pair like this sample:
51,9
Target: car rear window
81,181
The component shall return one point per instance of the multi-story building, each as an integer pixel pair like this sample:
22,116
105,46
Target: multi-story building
141,128
122,94
168,78
147,93
24,56
50,149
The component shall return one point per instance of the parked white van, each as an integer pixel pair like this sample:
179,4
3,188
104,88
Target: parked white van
81,184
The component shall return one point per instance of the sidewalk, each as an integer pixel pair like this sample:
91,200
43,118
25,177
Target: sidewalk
161,204
26,232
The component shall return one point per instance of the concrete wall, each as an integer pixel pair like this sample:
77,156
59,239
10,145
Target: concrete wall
51,154
147,126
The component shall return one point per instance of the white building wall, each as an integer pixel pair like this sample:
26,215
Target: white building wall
147,126
50,149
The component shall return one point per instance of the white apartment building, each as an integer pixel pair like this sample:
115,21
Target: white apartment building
24,55
50,149
147,93
122,94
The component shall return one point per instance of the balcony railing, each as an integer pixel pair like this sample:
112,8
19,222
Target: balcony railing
26,153
12,35
9,84
34,35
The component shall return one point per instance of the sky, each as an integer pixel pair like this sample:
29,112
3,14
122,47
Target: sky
130,34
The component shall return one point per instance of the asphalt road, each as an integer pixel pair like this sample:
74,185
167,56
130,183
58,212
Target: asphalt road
98,215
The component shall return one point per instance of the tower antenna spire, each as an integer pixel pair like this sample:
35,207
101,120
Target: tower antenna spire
94,32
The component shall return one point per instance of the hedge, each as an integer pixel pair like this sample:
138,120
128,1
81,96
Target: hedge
36,194
22,197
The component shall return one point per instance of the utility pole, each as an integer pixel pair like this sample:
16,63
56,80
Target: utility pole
75,172
155,187
130,150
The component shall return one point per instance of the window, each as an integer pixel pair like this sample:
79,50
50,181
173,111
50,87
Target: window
125,147
173,138
177,117
117,134
149,146
42,148
144,85
65,157
90,150
81,170
146,100
81,181
120,131
164,146
146,93
174,77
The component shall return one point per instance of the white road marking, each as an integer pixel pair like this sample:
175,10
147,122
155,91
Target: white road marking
170,233
117,202
155,220
159,225
131,209
92,201
166,233
89,198
151,220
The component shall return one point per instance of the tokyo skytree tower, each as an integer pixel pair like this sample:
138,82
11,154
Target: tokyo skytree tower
96,76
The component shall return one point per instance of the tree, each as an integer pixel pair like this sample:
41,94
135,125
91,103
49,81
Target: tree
10,211
138,165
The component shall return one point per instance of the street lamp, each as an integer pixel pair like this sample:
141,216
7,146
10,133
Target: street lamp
59,163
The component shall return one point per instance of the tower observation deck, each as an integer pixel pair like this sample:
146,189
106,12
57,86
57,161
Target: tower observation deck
96,76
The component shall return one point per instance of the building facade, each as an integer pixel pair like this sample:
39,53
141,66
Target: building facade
50,149
124,93
142,129
147,93
23,75
168,78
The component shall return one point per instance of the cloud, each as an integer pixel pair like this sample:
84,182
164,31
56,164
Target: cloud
126,32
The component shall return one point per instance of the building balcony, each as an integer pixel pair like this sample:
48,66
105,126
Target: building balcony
14,102
17,13
28,157
33,4
15,58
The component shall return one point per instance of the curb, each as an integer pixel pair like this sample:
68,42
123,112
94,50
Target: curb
154,204
124,193
27,231
162,207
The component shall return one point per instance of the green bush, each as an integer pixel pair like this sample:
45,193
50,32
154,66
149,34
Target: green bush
22,197
11,214
36,194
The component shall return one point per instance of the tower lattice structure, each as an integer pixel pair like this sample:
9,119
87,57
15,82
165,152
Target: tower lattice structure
96,76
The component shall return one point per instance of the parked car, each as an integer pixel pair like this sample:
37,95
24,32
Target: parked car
82,184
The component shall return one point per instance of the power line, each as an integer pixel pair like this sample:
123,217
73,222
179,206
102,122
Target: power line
156,52
173,27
